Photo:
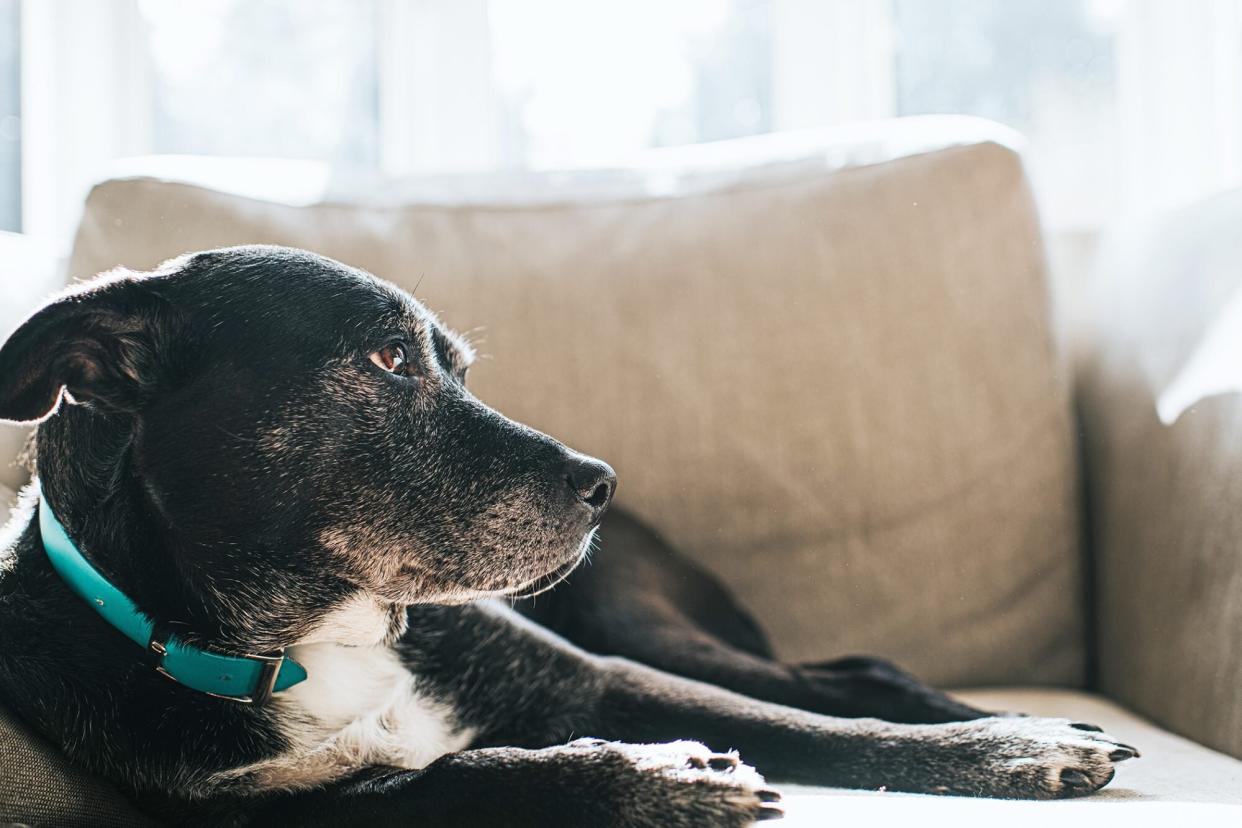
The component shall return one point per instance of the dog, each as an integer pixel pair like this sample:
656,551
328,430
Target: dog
275,568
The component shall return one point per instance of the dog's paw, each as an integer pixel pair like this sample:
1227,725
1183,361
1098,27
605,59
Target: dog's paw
683,784
1036,758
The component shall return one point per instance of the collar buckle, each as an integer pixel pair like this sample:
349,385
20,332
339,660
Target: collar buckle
268,671
198,669
265,685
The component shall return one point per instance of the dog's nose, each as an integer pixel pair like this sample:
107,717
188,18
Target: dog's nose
592,483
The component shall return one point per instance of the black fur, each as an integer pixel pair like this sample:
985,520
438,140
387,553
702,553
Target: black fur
232,457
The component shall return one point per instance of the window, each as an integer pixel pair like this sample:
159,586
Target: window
1048,69
1127,104
644,73
10,116
263,78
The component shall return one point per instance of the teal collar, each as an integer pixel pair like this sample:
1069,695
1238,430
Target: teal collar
246,678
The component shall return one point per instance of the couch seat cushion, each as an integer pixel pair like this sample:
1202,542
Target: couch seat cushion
1175,782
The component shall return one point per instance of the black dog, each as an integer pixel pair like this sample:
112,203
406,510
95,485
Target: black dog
275,458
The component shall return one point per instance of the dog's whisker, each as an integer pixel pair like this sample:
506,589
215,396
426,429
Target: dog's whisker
236,436
556,578
520,595
556,582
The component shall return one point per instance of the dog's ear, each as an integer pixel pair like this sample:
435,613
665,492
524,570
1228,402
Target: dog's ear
100,342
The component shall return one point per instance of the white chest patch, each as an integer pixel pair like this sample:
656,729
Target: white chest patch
358,707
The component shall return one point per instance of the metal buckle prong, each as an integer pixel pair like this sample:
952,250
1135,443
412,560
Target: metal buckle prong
158,646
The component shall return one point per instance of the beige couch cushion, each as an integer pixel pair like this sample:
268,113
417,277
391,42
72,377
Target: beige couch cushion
834,387
1161,395
1176,782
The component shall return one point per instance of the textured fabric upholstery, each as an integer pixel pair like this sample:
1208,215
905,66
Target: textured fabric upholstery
835,387
39,788
1161,399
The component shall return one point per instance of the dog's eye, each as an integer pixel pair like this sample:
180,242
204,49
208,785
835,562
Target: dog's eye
392,358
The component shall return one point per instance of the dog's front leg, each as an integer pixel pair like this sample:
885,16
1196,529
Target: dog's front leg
586,782
1013,757
517,684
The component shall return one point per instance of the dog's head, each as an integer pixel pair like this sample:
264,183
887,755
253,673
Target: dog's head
282,406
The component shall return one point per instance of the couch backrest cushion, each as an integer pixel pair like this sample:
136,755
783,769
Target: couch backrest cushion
835,387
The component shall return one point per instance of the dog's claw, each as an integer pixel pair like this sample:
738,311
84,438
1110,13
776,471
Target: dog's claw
1124,752
767,812
722,762
768,795
1088,727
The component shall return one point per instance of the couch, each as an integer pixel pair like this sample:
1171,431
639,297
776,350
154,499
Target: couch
827,366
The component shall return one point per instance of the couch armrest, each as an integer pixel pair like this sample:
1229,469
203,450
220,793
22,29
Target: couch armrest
38,786
1159,397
